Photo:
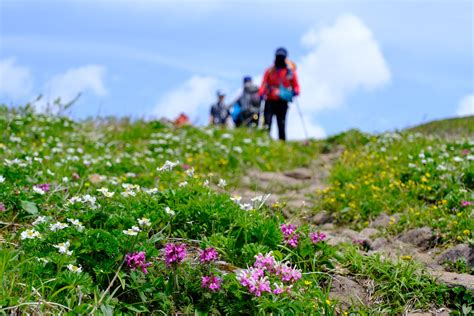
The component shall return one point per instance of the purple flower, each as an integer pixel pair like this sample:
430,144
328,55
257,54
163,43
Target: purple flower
137,260
466,203
317,237
208,255
44,187
2,207
287,229
266,262
288,273
174,253
211,282
291,238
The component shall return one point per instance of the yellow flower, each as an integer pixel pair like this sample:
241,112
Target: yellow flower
407,258
328,302
87,184
424,179
466,232
308,282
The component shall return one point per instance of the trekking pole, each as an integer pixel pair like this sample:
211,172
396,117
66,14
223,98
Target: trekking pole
302,119
260,114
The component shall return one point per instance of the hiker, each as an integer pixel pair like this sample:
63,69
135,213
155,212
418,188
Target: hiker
279,86
219,111
245,110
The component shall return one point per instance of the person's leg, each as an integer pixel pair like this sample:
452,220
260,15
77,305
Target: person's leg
280,111
268,115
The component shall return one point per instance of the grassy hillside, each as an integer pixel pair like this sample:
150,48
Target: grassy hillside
454,127
117,217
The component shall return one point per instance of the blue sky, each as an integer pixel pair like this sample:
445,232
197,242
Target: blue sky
372,65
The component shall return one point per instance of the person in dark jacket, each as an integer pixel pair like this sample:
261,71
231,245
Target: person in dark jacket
279,86
247,107
219,111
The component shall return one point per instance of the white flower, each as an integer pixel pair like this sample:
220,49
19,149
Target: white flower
236,198
168,166
190,172
151,191
183,184
132,231
75,269
470,157
39,220
58,226
441,167
411,165
144,221
64,248
65,179
206,183
222,183
30,234
76,223
106,192
2,179
38,190
246,207
238,149
169,211
457,159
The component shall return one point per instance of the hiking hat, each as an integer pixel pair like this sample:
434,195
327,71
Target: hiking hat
220,93
247,79
281,52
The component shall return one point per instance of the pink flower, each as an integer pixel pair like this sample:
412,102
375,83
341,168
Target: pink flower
44,187
174,253
466,203
2,207
317,237
137,260
208,255
288,273
266,262
211,282
466,152
291,238
75,176
287,229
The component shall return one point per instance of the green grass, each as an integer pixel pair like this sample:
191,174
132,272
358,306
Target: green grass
454,127
104,178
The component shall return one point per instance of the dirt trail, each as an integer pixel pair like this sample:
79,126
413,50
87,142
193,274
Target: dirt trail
294,187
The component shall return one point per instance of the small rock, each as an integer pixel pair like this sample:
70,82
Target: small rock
347,291
369,232
299,174
461,251
379,243
322,217
421,237
455,279
384,220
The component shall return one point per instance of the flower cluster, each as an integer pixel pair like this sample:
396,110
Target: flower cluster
317,237
211,282
208,255
257,278
174,253
137,260
291,238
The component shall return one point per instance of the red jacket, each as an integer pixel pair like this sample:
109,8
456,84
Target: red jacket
272,79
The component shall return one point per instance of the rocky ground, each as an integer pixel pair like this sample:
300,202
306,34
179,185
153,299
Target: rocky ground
294,187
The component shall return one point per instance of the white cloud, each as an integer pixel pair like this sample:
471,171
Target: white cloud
67,85
15,81
343,58
193,97
466,106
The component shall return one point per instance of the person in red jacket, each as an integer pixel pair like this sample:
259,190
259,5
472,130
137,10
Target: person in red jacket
279,86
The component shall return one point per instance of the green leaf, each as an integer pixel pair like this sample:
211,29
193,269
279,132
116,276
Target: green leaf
29,207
